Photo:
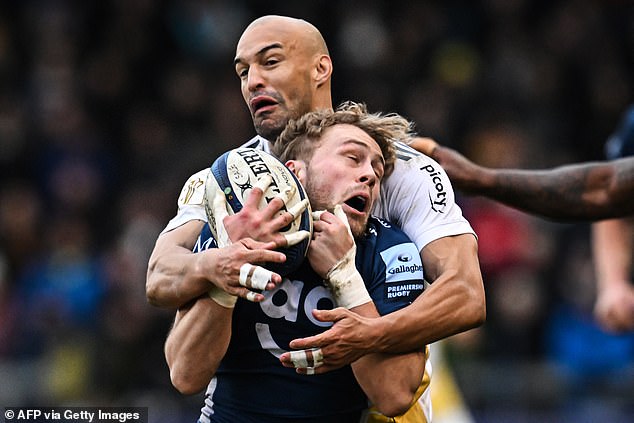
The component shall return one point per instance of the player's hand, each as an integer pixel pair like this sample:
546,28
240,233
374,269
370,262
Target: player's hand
331,241
427,146
614,308
345,342
234,270
463,173
338,268
265,224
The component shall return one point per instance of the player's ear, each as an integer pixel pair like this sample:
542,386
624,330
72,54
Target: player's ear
298,167
322,70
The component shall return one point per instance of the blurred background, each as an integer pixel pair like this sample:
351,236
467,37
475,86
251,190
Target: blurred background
106,107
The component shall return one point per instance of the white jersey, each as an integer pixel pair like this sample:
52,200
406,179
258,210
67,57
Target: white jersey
417,197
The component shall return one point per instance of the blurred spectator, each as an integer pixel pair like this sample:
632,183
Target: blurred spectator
587,357
61,290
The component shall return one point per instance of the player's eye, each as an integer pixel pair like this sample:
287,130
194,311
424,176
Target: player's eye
271,62
378,172
242,72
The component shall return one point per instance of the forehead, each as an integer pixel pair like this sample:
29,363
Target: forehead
260,37
345,134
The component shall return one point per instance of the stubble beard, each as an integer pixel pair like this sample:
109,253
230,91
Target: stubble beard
320,200
278,121
357,226
270,128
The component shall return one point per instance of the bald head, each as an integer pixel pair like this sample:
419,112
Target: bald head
285,71
299,29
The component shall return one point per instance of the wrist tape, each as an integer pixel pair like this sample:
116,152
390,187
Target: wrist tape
223,298
346,284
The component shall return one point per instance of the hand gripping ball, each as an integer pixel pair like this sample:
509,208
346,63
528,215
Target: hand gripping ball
231,179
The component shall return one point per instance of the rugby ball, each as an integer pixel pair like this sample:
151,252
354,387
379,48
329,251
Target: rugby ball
235,173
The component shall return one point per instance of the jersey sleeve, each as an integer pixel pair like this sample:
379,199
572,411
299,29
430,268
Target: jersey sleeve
190,202
419,199
391,267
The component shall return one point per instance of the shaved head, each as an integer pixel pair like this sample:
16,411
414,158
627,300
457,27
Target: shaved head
301,30
284,69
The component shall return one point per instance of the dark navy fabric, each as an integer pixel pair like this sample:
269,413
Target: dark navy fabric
251,385
621,143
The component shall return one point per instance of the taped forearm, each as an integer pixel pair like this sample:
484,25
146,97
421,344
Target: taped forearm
346,284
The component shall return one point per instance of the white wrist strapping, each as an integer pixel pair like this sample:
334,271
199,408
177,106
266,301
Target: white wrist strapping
346,284
343,279
222,297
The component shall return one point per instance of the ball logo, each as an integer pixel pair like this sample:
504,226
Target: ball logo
254,160
236,172
244,187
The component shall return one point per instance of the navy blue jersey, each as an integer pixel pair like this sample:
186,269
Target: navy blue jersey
621,143
251,385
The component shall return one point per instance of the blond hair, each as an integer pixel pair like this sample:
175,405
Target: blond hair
300,137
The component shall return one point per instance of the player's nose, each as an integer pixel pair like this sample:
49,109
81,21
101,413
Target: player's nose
367,175
255,79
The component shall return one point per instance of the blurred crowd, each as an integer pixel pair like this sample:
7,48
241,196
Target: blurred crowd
106,107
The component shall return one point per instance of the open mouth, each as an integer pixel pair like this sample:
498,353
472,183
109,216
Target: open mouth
259,104
357,202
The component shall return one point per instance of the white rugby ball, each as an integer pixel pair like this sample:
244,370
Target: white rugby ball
236,172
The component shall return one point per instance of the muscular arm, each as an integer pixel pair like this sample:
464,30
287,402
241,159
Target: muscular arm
176,275
582,191
585,191
171,281
389,380
454,303
197,343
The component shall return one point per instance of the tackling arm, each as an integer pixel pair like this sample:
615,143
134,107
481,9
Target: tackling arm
389,380
170,278
454,303
176,275
197,343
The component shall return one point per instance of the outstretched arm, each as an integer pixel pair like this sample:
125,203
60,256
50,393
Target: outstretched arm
585,191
